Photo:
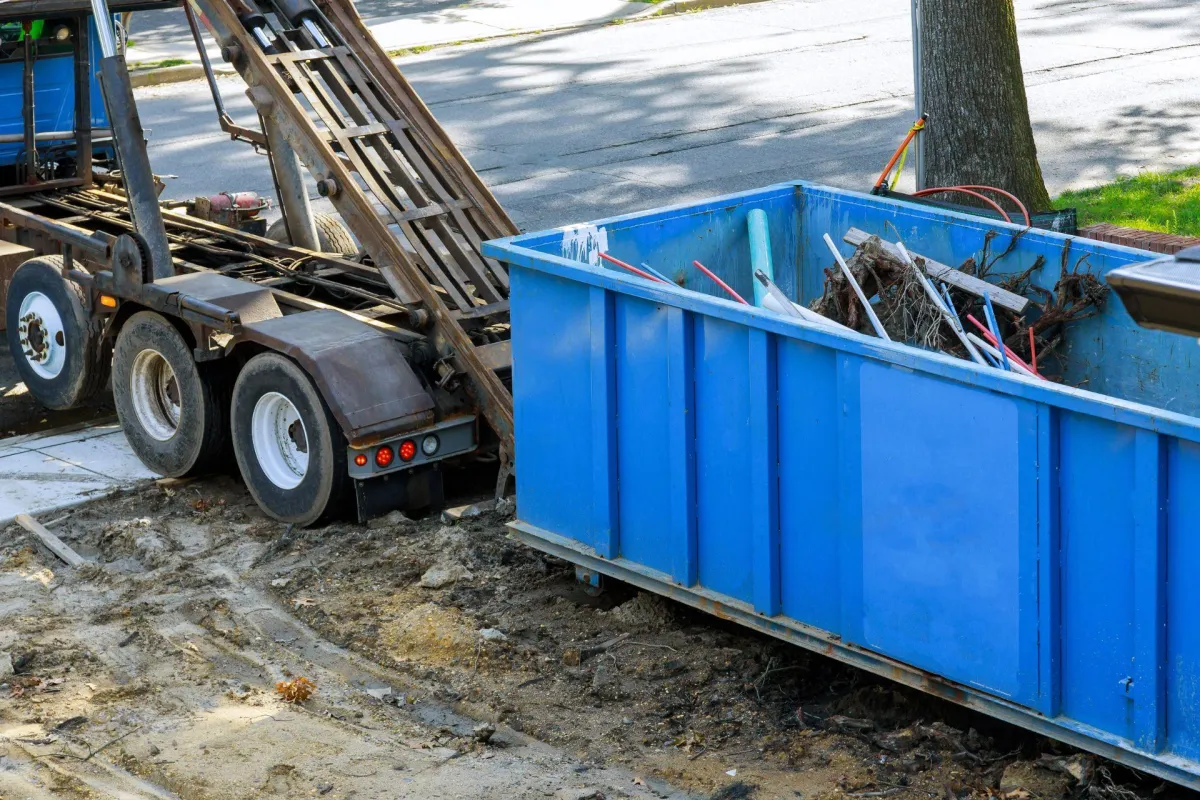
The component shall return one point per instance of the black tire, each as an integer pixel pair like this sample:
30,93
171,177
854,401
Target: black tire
322,484
69,367
332,234
198,440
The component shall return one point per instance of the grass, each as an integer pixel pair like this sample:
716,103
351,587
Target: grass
425,48
166,62
410,51
1166,202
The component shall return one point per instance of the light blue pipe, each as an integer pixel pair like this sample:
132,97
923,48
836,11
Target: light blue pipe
760,251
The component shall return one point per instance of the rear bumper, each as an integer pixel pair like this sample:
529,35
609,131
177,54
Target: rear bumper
446,439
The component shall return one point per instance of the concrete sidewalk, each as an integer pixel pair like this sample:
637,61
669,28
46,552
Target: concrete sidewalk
47,471
405,25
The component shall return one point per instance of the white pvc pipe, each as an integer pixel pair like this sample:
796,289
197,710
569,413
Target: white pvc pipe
875,323
994,353
953,321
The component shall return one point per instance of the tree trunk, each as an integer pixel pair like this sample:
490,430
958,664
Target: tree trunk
978,130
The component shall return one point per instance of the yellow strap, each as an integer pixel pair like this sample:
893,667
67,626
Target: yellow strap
917,127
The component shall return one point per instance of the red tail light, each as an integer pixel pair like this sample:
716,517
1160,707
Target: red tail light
408,450
361,459
384,456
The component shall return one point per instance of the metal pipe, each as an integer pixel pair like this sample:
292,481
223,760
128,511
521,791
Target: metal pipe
51,136
29,136
315,32
918,92
94,245
293,195
84,134
104,28
204,61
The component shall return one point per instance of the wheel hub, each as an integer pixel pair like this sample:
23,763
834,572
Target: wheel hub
41,334
154,394
280,440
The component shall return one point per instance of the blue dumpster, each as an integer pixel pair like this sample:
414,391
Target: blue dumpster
1014,545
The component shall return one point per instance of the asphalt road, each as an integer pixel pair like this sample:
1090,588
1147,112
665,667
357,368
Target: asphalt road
578,125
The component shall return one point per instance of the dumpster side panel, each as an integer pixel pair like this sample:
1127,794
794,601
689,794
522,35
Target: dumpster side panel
947,570
1179,666
723,479
1097,523
809,508
552,365
643,453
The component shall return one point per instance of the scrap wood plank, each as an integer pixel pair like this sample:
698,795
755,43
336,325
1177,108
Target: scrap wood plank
53,543
955,277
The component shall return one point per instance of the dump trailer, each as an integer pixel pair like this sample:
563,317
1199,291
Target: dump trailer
331,378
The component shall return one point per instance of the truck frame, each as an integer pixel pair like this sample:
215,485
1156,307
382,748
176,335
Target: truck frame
330,376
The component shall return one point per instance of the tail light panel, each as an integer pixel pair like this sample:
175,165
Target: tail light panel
435,443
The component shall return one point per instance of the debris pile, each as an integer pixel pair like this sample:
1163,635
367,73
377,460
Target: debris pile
965,314
908,314
1012,324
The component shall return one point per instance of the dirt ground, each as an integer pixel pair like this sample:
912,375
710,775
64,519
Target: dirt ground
20,413
449,661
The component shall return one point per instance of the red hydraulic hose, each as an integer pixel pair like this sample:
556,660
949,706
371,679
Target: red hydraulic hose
631,268
964,190
1010,196
719,282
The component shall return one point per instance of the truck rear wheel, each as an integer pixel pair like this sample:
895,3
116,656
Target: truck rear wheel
60,361
332,235
172,409
289,447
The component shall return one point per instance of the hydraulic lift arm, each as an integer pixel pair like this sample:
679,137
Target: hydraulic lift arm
376,152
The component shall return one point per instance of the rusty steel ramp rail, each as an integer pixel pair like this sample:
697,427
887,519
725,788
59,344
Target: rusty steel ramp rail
410,197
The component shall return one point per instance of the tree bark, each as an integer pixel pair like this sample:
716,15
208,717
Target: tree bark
978,130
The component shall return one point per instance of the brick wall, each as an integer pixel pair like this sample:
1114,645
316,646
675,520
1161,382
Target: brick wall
1166,243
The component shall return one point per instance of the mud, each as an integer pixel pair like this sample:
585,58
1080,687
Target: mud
449,661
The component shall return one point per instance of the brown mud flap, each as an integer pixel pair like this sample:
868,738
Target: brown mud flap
362,373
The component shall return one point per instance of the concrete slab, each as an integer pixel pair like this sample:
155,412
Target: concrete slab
34,483
74,434
40,473
107,454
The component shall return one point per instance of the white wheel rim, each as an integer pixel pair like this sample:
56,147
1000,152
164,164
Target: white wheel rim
280,440
154,394
43,339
